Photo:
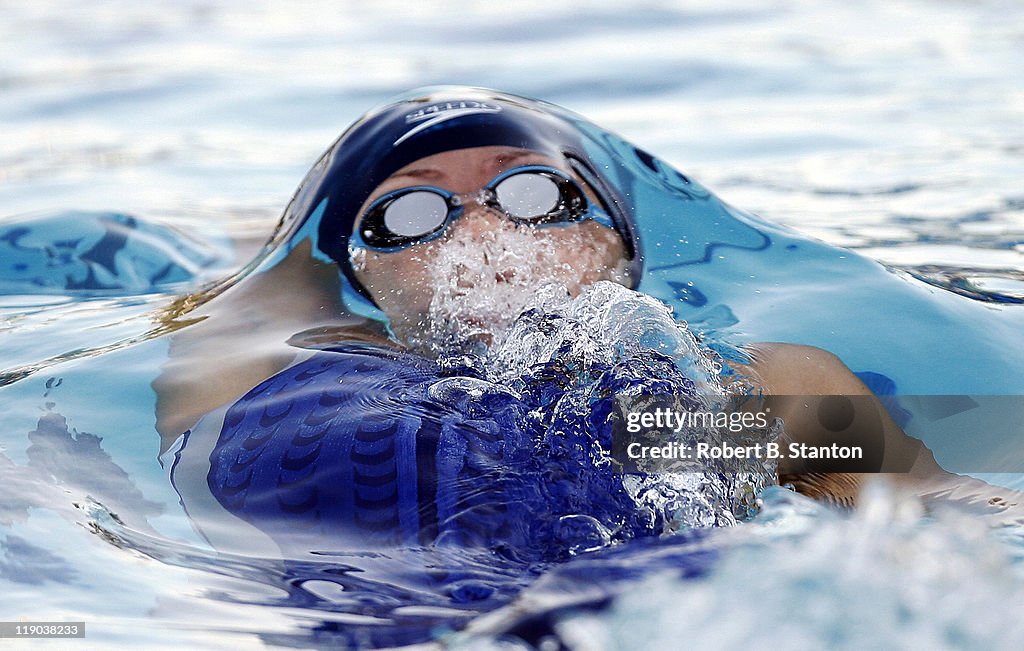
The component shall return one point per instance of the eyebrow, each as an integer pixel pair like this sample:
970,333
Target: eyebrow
514,156
420,173
436,175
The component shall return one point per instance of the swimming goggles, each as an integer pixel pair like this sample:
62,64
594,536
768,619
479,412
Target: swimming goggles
531,194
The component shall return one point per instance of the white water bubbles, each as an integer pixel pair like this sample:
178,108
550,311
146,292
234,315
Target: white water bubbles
611,338
605,324
480,277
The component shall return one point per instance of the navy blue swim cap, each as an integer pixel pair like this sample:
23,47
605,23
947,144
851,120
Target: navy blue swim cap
427,122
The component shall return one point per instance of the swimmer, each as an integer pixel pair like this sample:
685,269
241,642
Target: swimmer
444,214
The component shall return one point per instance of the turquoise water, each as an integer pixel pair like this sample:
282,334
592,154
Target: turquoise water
893,130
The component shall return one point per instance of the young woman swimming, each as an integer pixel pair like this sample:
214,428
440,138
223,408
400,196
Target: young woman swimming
426,229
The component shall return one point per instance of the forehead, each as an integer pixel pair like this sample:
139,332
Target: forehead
465,170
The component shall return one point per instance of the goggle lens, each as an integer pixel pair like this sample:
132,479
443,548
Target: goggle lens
529,196
416,214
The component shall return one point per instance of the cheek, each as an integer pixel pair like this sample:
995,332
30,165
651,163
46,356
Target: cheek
590,251
397,281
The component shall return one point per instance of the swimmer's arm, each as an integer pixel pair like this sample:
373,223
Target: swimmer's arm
796,370
246,334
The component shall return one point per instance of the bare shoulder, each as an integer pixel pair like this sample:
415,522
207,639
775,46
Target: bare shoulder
798,381
796,369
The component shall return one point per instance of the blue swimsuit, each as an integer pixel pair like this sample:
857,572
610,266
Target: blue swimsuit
361,446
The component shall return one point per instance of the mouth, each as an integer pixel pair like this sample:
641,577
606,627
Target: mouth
475,321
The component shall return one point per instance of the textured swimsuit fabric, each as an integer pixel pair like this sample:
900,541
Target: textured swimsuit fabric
358,447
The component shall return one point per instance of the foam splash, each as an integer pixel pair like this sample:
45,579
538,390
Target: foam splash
611,343
883,577
606,324
484,280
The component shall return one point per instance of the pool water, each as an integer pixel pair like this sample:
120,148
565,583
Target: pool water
892,130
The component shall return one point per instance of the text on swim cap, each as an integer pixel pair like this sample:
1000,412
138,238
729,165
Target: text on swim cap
435,114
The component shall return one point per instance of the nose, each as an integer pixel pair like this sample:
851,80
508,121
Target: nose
477,219
475,228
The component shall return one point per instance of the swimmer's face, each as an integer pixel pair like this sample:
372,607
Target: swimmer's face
473,279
